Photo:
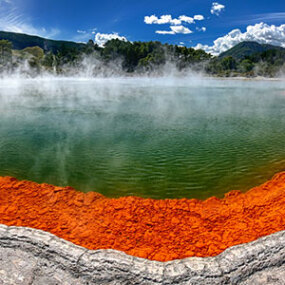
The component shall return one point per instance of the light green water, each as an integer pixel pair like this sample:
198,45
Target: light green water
158,138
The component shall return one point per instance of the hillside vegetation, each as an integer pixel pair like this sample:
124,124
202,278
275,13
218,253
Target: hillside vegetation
22,41
32,55
247,48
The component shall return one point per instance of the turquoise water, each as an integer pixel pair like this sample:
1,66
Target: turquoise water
158,138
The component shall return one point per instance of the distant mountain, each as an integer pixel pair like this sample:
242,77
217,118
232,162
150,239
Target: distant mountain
248,48
21,41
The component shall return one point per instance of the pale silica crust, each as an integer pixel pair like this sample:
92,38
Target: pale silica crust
29,256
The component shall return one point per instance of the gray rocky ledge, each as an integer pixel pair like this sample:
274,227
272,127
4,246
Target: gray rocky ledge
29,256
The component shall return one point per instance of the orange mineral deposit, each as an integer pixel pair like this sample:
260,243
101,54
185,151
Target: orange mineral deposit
155,229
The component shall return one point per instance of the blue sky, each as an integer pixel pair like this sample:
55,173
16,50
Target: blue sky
171,21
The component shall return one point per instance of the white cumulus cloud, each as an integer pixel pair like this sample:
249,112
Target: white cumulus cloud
165,32
164,19
261,33
217,8
150,19
175,30
167,19
186,19
199,17
180,30
101,39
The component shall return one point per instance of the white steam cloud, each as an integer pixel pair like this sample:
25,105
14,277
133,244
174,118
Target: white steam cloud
261,33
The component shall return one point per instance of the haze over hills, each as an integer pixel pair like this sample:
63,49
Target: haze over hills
247,48
33,55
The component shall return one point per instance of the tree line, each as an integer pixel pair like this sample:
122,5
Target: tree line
136,57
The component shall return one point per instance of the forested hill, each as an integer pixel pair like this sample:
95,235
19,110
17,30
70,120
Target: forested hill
247,48
22,41
32,55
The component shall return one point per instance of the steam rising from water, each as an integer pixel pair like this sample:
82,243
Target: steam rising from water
154,137
90,68
93,66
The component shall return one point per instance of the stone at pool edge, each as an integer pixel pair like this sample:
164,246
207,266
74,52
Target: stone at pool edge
29,256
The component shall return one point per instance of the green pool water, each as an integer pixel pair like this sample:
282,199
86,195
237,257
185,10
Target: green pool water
158,138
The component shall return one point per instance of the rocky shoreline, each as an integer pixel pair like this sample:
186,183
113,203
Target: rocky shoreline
30,256
57,235
161,230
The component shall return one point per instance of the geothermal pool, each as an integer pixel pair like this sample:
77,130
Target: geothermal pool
157,138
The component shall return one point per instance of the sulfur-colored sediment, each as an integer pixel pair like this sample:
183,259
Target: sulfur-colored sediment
155,229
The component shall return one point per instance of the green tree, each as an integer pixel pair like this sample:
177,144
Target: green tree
228,63
246,65
49,61
5,52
